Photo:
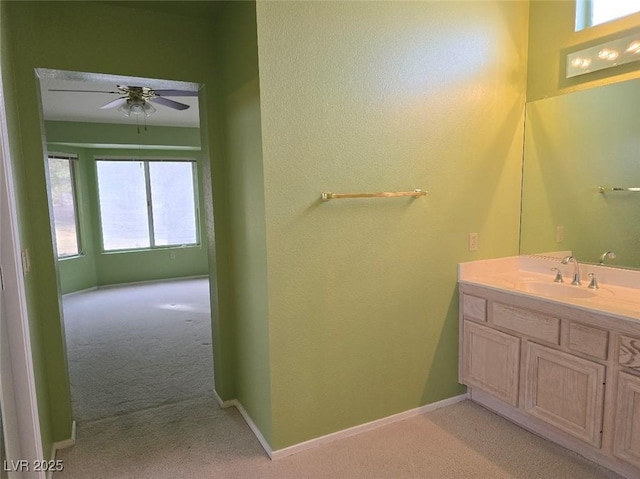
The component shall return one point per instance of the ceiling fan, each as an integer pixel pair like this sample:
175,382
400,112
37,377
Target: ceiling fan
137,100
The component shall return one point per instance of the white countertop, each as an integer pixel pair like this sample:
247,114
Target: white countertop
618,295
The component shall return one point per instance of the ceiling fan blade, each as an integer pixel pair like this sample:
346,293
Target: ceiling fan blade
170,103
175,93
114,103
89,91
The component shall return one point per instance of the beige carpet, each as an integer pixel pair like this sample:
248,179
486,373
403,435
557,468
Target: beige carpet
138,346
196,439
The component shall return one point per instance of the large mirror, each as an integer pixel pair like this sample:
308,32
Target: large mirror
575,144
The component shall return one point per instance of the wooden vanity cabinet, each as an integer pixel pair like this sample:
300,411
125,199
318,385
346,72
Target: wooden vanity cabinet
491,361
565,391
626,444
568,375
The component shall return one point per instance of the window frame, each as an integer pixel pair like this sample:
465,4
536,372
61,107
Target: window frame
147,184
584,16
73,160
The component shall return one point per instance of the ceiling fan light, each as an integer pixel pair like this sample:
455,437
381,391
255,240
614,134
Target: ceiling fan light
148,109
136,108
125,109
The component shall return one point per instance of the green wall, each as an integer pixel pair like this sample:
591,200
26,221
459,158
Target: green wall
97,135
37,333
328,315
381,96
552,36
80,36
97,268
240,120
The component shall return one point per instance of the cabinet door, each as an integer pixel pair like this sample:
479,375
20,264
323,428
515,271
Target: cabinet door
564,391
490,361
626,442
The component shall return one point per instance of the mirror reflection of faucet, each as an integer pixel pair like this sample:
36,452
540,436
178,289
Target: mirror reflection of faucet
607,254
576,269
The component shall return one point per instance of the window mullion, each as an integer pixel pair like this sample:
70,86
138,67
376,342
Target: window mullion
147,180
196,199
76,203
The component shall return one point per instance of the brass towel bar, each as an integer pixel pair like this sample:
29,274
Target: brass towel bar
604,189
326,196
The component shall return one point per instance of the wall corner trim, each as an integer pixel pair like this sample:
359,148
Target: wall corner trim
245,415
59,445
223,404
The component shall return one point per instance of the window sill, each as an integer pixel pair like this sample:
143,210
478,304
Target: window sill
71,257
151,250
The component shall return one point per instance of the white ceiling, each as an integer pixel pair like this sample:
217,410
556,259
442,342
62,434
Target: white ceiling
85,107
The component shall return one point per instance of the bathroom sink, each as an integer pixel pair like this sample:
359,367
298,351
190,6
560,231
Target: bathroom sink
555,290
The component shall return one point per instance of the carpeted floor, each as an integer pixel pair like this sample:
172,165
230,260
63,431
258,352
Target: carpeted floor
138,346
140,365
195,439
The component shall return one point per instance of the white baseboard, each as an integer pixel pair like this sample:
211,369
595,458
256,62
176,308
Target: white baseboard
57,446
134,283
221,403
80,291
245,415
352,431
151,281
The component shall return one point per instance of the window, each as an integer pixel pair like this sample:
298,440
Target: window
63,200
147,203
595,12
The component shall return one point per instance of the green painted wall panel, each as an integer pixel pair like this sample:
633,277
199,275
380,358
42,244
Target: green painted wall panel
22,203
381,96
112,134
79,36
240,117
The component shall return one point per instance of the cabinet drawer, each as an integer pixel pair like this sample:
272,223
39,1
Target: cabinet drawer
474,307
629,352
587,340
535,325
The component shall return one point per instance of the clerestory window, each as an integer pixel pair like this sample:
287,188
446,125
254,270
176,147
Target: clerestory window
595,12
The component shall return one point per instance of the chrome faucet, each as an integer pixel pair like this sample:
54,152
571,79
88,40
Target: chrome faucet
576,269
558,278
607,254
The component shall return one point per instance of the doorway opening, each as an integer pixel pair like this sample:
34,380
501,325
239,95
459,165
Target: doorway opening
125,180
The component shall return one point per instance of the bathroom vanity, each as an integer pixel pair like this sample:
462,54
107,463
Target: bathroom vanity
560,360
